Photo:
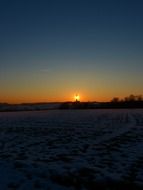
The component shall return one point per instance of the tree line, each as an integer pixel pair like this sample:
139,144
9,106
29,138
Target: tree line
130,98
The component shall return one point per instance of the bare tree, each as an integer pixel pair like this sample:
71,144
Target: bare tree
115,100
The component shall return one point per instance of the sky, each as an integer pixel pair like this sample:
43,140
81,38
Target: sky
53,49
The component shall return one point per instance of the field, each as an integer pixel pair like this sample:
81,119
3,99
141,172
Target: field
71,149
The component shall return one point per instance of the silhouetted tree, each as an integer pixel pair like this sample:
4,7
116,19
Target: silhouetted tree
115,100
130,98
139,98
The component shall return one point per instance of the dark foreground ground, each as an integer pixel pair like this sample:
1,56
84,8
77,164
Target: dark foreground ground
71,149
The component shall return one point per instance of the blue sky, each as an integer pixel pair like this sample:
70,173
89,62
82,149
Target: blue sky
51,49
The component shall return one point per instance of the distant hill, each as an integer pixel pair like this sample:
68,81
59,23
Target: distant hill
70,105
28,106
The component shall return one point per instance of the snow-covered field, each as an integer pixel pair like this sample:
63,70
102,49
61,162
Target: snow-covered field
71,149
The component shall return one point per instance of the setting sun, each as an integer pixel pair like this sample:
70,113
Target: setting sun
77,98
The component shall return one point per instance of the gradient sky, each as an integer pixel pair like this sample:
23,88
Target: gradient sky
52,49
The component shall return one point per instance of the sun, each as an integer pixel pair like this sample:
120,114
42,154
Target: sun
77,98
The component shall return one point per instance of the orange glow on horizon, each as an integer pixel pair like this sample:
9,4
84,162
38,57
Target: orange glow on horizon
77,97
33,99
57,96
